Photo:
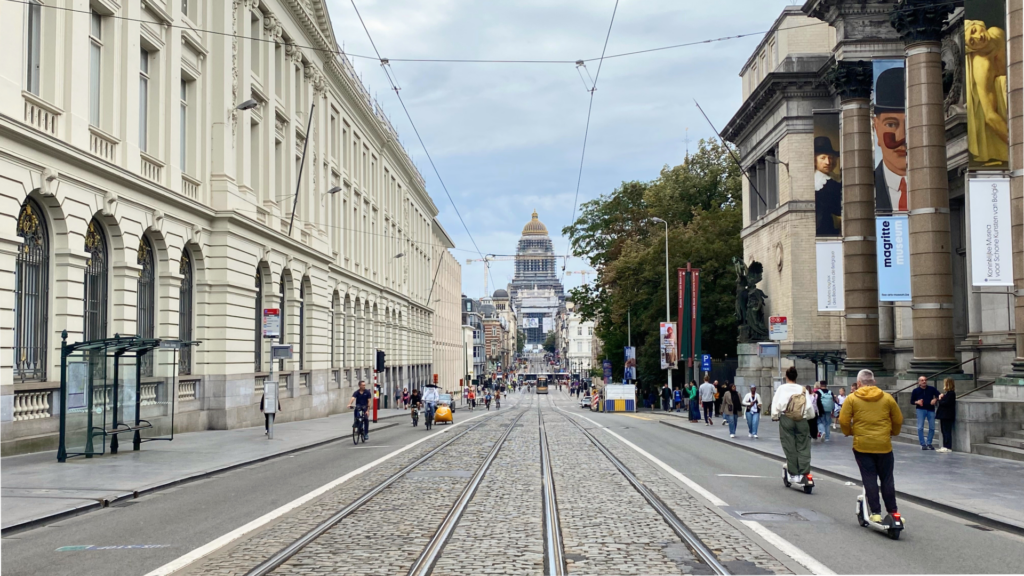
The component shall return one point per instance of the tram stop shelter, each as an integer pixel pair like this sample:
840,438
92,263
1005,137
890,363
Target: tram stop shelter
115,386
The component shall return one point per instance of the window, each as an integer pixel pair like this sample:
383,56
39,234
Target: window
146,300
184,8
31,292
579,330
143,99
278,70
256,43
185,312
284,321
258,324
183,128
95,66
579,346
333,328
590,331
33,46
302,326
95,294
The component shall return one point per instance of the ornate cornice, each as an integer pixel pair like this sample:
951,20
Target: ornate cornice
849,79
773,88
920,20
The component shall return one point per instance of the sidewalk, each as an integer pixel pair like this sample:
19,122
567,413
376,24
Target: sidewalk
963,484
36,488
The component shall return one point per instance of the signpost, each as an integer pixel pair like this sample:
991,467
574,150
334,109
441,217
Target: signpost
705,363
272,331
778,328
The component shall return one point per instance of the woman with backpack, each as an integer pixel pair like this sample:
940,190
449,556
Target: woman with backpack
792,407
826,405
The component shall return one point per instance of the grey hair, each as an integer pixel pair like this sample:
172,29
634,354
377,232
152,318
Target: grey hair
866,376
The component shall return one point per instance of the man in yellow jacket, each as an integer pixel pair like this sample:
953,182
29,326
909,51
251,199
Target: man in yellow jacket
873,417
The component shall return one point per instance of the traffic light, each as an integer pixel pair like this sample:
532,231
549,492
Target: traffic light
379,366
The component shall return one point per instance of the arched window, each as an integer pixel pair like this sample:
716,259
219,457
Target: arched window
31,292
146,300
284,320
302,325
95,294
258,324
185,301
334,327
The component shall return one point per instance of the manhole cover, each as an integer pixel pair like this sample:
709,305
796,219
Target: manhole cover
772,516
441,474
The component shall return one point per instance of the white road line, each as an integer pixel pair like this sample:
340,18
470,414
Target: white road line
189,558
785,546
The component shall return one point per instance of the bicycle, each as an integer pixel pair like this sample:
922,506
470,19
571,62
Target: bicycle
415,416
359,425
429,416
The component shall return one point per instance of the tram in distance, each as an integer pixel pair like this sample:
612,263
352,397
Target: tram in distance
542,384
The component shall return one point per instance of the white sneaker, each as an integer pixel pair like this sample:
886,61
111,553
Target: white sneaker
750,435
732,435
755,435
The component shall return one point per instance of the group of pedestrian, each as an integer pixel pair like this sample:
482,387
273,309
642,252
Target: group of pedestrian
929,405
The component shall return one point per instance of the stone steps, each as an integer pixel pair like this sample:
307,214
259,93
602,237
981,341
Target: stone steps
1007,441
999,451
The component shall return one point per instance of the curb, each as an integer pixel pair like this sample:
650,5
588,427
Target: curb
106,502
952,510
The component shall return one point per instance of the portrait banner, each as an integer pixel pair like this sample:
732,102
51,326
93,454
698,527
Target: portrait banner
985,92
991,251
669,355
630,366
893,253
828,187
830,276
549,325
889,114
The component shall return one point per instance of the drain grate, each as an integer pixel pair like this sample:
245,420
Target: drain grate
980,527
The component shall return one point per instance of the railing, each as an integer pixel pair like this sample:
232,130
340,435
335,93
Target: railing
947,370
102,145
261,383
152,169
147,394
304,379
284,382
40,115
32,404
336,375
187,389
189,187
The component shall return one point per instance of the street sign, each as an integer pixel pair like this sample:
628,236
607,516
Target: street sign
281,352
778,328
705,363
271,322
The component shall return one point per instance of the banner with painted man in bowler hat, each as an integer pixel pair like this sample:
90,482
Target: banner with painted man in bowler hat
828,188
889,117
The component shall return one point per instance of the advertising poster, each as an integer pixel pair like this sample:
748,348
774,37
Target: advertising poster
607,366
892,234
669,354
985,84
549,325
830,276
828,187
534,323
889,112
991,252
630,365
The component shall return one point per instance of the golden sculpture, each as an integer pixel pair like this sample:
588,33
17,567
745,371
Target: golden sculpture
987,131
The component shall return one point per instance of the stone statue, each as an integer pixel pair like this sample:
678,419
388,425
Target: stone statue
750,302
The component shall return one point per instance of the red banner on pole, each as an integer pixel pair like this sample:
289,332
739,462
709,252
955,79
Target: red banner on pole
695,279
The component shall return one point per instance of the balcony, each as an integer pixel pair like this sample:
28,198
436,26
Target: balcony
152,169
40,114
190,187
102,144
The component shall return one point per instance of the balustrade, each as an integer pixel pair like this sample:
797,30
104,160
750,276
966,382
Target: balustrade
32,404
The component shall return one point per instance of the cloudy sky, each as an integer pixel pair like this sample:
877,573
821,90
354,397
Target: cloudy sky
506,138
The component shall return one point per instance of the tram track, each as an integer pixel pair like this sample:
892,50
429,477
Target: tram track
701,551
554,550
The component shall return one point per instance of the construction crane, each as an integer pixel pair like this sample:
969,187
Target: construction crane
583,273
487,259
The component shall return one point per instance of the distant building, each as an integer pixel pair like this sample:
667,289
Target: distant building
472,317
536,292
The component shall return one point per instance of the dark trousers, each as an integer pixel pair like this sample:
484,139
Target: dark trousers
947,432
709,409
266,422
718,407
875,467
812,423
664,404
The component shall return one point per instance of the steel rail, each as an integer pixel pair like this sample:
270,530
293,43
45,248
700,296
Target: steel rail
424,565
286,553
677,525
554,552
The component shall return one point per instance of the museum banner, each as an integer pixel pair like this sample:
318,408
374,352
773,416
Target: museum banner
828,187
629,373
991,252
830,276
889,130
893,253
985,85
669,356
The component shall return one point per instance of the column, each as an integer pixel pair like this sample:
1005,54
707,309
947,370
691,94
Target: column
851,80
919,25
1015,79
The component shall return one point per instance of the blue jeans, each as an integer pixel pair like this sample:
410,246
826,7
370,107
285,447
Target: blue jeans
923,415
731,419
825,425
753,419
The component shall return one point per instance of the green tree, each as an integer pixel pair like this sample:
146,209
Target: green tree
549,342
702,203
520,341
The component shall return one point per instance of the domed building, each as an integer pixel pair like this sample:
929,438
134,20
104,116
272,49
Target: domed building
535,291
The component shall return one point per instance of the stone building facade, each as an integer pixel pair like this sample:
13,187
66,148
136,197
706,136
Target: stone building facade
536,274
157,164
447,321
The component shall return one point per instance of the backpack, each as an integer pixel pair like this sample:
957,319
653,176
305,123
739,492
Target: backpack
828,403
795,407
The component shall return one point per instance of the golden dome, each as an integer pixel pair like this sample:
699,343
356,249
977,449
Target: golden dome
535,227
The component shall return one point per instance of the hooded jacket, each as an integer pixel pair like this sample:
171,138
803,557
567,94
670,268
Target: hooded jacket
872,417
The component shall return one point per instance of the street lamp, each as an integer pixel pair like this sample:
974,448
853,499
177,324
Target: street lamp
247,105
668,310
333,190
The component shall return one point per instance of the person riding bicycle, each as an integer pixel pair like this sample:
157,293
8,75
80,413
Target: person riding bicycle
487,399
471,398
361,398
431,397
872,417
497,398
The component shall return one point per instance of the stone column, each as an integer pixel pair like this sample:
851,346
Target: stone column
1015,79
919,25
851,80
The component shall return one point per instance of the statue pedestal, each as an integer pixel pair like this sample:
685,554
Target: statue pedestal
752,369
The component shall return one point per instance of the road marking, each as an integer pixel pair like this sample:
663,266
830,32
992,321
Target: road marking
639,417
784,546
741,476
360,447
79,548
212,546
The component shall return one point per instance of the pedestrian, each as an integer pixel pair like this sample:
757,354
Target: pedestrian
720,390
945,411
677,399
405,398
812,422
840,398
398,399
732,408
266,417
826,404
471,398
752,403
873,418
924,397
707,399
792,407
666,397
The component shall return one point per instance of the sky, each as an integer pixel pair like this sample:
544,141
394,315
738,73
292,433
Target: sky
507,138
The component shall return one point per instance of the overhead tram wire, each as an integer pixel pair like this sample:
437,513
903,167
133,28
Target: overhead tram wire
732,153
385,66
586,130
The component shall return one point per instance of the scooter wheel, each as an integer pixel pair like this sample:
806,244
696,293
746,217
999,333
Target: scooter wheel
894,534
808,489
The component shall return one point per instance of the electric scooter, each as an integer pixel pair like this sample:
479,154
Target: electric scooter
891,524
807,483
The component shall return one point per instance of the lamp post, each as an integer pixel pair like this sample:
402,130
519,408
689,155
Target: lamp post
668,309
